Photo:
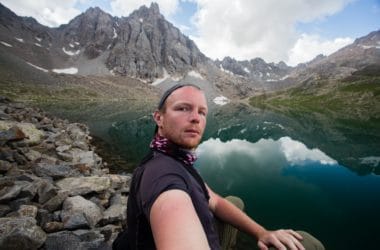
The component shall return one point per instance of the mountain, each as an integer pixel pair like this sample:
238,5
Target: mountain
145,47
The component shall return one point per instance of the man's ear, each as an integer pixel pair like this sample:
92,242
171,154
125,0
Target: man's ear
157,116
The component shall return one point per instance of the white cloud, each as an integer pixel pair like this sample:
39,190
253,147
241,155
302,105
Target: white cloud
124,8
284,151
246,29
308,47
47,12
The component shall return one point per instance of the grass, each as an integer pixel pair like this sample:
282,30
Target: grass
355,98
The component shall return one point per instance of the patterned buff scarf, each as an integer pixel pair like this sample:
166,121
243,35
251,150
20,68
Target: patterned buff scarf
165,146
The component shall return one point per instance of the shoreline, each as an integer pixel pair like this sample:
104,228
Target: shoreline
55,189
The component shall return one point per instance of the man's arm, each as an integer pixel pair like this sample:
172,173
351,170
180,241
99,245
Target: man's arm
175,224
227,212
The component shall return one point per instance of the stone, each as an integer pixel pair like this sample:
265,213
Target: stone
43,217
84,185
91,239
55,203
118,198
28,211
54,171
77,212
119,181
33,135
53,226
33,155
20,233
109,231
9,192
64,240
46,191
63,148
4,210
12,134
114,213
4,166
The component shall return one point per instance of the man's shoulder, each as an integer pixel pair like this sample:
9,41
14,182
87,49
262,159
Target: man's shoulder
161,164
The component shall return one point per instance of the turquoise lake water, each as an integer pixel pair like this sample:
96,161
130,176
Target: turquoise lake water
309,171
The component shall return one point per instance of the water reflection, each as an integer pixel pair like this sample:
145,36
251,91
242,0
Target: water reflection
285,184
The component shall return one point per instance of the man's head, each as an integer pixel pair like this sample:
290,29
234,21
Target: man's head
181,115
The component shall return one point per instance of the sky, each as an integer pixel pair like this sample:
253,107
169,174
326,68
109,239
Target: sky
293,31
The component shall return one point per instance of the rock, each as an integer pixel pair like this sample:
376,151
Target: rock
4,166
4,210
27,211
33,155
114,213
9,192
56,202
78,212
46,191
12,134
53,226
54,171
91,239
119,199
64,240
84,185
119,181
20,233
31,132
43,217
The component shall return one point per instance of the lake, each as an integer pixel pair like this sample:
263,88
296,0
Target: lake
317,172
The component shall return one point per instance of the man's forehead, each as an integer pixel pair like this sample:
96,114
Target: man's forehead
182,94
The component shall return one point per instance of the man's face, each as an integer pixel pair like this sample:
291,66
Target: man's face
184,119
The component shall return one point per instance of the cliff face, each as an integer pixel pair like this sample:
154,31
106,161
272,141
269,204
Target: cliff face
143,45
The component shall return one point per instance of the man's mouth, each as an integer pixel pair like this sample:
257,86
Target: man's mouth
192,131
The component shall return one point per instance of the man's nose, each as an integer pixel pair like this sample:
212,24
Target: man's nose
195,117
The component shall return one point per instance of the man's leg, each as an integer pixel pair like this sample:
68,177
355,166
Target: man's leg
227,233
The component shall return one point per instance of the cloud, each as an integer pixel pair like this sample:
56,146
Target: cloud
266,153
307,47
124,8
47,12
246,29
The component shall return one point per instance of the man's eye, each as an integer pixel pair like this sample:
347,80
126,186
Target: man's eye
202,113
183,109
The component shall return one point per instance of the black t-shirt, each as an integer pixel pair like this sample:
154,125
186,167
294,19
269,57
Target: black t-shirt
159,174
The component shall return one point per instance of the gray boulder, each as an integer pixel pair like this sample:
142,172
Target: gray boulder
84,185
77,212
20,233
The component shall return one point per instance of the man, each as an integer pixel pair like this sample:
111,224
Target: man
169,206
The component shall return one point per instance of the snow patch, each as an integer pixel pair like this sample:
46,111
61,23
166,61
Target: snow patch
38,39
71,53
39,68
221,100
71,71
195,74
37,44
6,44
76,43
160,80
284,77
117,24
71,45
247,70
141,20
369,46
225,70
19,39
114,33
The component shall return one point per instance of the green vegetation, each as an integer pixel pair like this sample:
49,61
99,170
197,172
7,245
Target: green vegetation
355,97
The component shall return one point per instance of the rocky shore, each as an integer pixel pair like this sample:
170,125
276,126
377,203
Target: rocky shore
55,191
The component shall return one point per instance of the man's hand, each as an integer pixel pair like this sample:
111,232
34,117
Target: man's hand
280,239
